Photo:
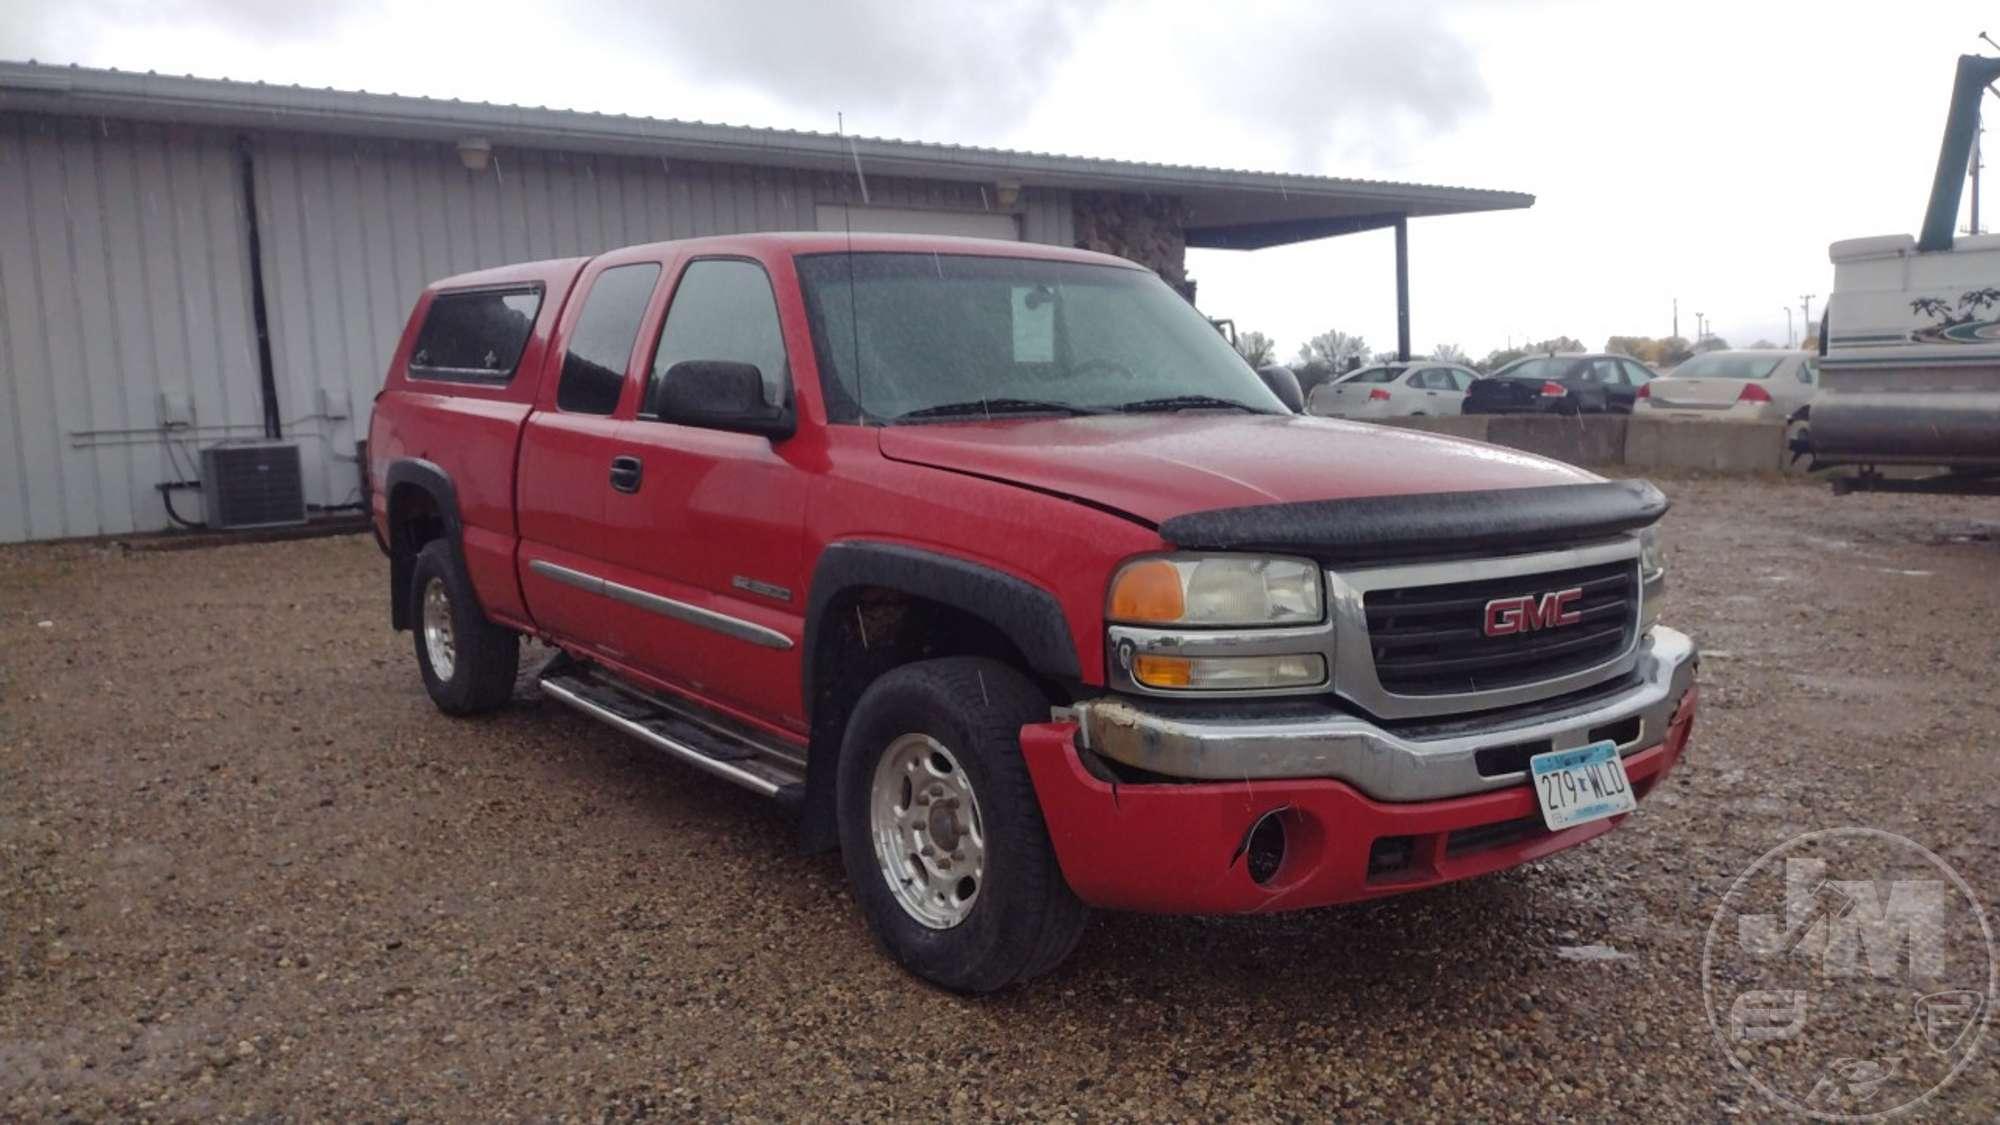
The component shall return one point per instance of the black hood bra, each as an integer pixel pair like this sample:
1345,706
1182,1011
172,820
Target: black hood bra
1385,528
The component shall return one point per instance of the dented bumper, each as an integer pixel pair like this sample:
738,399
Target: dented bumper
1185,847
1386,764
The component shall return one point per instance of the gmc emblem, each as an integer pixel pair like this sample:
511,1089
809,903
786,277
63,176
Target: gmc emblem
1528,613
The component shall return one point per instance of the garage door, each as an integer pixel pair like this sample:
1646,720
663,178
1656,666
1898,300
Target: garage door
908,220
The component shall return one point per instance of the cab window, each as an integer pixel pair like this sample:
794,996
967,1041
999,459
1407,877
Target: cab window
722,309
600,346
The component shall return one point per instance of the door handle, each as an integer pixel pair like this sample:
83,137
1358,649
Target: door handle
625,471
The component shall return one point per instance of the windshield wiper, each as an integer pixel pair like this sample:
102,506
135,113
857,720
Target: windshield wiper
1185,402
975,407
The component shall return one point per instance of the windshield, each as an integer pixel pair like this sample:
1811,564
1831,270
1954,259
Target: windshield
1717,365
1538,368
943,335
1374,375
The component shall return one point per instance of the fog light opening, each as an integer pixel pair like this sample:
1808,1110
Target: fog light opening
1264,847
1391,854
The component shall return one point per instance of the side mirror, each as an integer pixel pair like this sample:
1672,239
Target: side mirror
720,394
1285,385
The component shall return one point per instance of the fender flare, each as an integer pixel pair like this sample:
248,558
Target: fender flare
1025,613
428,478
1028,615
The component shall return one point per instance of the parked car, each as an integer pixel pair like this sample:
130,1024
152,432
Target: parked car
996,565
1394,390
1750,384
1561,384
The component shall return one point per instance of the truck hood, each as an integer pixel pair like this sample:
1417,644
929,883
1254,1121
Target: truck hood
1158,466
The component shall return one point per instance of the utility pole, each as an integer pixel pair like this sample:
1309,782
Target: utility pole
1677,316
1805,306
1700,327
1976,132
1788,326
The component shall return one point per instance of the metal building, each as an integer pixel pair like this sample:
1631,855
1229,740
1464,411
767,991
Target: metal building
185,262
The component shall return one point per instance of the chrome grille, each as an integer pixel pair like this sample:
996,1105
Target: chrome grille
1431,640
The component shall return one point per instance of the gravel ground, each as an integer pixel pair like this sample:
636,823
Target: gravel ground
247,870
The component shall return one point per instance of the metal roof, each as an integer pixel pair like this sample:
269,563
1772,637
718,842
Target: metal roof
1226,207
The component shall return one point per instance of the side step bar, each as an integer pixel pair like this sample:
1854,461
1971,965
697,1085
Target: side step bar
707,742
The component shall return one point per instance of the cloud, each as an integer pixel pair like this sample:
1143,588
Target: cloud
54,31
1336,83
1330,80
927,68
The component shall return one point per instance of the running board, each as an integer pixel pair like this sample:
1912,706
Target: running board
707,742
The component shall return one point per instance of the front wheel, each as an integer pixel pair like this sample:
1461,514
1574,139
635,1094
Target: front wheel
940,830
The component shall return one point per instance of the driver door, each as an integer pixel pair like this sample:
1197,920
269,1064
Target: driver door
710,525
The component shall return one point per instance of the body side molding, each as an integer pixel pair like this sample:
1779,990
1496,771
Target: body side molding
708,619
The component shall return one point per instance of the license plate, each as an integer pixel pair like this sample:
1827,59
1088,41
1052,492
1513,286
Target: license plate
1578,786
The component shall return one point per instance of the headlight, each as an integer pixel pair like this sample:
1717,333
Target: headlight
1216,590
1652,577
1652,554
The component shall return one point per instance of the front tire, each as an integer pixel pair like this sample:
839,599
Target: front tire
940,830
468,663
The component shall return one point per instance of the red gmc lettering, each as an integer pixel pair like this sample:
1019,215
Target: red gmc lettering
1527,613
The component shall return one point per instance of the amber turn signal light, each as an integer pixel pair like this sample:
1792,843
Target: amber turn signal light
1148,591
1163,671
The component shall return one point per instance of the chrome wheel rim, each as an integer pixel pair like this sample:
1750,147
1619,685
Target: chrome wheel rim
930,841
438,644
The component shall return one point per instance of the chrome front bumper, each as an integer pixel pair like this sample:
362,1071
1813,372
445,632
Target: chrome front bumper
1382,764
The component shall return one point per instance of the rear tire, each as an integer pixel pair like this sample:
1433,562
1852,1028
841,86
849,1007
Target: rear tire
468,663
940,830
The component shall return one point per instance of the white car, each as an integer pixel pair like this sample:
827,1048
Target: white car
1749,385
1394,390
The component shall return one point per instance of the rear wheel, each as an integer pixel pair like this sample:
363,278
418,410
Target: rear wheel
940,830
468,663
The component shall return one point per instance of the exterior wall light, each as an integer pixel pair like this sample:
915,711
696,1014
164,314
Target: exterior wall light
475,153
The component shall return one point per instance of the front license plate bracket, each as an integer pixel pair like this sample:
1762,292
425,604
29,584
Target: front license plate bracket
1578,786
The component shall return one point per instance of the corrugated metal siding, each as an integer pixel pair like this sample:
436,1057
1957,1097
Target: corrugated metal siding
123,273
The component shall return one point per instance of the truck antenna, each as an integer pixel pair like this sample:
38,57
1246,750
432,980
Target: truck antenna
847,224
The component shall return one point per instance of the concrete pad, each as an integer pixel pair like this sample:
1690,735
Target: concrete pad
1696,444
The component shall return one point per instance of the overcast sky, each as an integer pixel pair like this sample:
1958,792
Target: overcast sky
1705,151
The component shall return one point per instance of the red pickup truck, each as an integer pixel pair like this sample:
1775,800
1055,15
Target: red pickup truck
998,566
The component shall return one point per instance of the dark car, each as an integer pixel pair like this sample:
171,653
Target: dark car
1561,384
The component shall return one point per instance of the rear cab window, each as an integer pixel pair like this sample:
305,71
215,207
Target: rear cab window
475,335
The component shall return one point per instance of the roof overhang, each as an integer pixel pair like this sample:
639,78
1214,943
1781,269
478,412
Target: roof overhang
1225,208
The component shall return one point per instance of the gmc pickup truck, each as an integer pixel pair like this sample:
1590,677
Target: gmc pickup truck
999,567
